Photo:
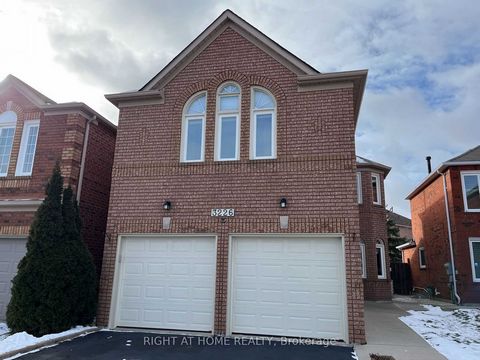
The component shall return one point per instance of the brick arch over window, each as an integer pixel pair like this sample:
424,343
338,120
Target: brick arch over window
246,82
21,117
11,106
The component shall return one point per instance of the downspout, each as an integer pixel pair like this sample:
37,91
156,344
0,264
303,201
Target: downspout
84,155
452,259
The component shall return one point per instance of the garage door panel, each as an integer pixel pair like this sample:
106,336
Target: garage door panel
288,287
166,283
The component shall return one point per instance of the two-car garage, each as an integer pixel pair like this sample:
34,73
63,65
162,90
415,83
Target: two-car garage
278,285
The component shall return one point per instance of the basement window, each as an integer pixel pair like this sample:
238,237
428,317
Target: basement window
421,258
475,258
471,192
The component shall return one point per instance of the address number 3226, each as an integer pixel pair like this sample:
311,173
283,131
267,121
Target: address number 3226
222,212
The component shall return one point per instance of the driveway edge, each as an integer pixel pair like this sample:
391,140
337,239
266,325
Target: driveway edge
50,342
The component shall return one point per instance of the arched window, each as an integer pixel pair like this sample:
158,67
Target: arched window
8,122
263,128
227,134
381,267
193,129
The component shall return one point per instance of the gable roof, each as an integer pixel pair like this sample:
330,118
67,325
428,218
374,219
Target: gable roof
228,19
47,105
469,157
366,163
398,219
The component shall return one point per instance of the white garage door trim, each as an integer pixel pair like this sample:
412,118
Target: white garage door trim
238,237
114,304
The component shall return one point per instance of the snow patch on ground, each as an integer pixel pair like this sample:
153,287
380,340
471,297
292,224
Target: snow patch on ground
455,334
23,339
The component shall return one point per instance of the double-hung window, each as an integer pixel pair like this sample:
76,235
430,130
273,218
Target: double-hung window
28,146
381,267
471,192
193,129
475,258
227,144
376,190
8,121
263,125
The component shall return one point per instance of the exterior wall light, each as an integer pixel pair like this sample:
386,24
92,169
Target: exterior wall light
167,205
283,202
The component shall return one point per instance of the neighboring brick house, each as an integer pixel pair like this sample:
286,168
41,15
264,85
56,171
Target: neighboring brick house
234,206
35,132
433,225
373,229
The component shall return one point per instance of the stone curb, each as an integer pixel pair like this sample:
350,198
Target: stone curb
50,342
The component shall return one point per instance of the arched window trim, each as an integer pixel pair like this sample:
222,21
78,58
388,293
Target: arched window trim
8,124
381,247
230,113
253,124
185,119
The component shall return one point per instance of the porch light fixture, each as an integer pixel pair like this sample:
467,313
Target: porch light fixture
167,205
283,202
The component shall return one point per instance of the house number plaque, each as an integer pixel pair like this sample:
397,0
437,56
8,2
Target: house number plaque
222,212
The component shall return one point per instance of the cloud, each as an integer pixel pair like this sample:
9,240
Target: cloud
423,60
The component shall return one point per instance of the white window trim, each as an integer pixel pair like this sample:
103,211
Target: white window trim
382,256
23,148
359,188
462,175
364,260
218,124
379,190
253,125
9,124
471,241
422,265
185,118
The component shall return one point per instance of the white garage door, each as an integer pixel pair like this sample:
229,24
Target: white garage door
288,286
167,282
11,252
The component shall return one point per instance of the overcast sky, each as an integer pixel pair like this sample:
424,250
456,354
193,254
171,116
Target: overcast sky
423,88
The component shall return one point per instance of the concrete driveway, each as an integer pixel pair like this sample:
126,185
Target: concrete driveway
139,345
387,335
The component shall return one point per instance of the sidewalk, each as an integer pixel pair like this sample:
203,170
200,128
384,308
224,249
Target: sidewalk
387,335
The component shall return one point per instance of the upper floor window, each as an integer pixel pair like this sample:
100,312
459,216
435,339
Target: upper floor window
471,193
227,143
364,260
8,121
376,189
28,146
193,129
421,258
359,187
263,125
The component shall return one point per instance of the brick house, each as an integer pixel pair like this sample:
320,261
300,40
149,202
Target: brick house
234,204
35,132
446,206
403,224
373,229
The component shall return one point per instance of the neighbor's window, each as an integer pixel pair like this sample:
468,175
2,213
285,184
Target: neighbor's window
263,125
376,190
471,193
193,129
28,146
364,262
359,188
421,258
381,271
8,121
475,258
227,144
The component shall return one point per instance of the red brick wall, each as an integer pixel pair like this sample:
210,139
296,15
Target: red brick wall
430,230
95,190
372,229
314,169
60,138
